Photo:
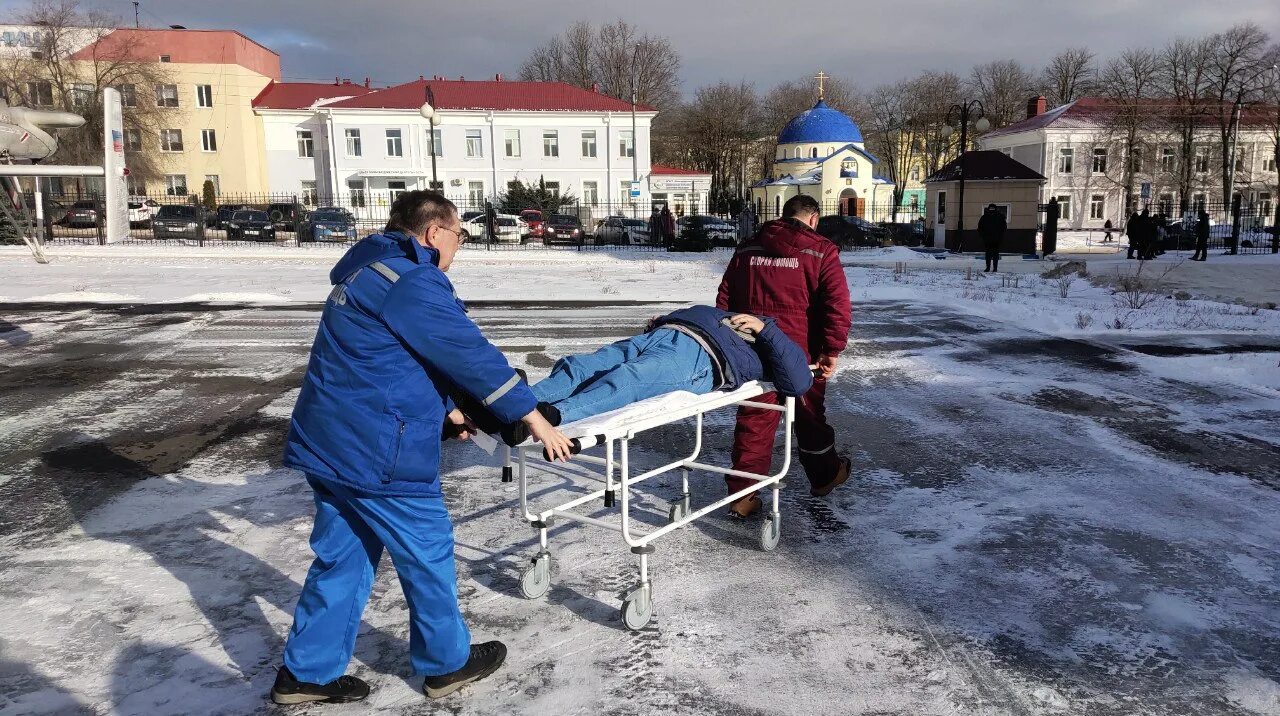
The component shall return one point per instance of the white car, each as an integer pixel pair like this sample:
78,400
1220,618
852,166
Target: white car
510,228
623,231
141,210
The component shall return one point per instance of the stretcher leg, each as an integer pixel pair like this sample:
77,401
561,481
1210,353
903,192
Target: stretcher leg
637,606
680,508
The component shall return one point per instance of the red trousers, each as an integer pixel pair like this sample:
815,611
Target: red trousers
757,427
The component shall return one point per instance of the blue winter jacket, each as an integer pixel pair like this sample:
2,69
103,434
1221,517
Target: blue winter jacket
772,357
394,341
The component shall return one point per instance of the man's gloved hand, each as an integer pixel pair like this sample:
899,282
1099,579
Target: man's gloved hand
457,426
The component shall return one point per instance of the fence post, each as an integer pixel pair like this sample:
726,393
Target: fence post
199,209
1050,240
1275,231
1235,225
100,220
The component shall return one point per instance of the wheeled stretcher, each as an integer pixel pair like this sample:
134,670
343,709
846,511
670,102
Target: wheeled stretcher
614,432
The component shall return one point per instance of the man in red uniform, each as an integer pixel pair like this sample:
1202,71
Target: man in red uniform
791,273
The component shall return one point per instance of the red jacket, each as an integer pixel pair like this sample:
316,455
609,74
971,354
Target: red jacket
791,273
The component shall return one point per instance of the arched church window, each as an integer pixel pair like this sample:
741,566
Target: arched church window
813,153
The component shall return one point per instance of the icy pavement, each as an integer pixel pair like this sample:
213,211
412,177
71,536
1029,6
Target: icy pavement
1038,525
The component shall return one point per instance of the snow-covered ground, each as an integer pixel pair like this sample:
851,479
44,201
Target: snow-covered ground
1051,513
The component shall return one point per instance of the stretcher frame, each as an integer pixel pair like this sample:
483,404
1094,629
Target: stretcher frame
637,606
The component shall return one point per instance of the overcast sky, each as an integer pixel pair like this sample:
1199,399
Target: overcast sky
867,43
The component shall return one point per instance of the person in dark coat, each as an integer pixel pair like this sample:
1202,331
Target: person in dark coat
655,226
991,228
1202,238
668,225
1107,227
1133,230
1150,236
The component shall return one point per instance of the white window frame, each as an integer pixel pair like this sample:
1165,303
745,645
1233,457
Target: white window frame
591,198
165,94
1201,158
435,143
306,144
1066,160
356,192
627,144
132,140
354,143
167,143
511,143
552,186
1064,207
40,93
475,143
589,150
81,94
1168,159
308,194
393,192
128,94
1099,163
208,140
550,144
204,96
1097,206
475,194
171,187
217,184
1269,164
395,142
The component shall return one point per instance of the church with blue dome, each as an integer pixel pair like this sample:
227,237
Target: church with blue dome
821,153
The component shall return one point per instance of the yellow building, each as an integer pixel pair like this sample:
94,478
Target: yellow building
208,130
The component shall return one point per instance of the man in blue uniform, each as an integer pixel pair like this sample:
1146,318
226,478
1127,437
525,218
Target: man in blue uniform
394,342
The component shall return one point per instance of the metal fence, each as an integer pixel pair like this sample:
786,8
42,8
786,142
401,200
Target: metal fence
71,219
1238,228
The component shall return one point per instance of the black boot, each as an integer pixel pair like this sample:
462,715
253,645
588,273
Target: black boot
485,659
515,433
344,689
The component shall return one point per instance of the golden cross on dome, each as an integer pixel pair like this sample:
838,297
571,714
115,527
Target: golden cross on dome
822,78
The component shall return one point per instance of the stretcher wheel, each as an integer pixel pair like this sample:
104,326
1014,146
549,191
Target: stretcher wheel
535,580
770,533
679,509
637,608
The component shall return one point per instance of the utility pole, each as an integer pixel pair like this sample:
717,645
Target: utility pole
964,111
136,24
635,154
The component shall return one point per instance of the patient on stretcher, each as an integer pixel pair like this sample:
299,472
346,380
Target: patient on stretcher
697,349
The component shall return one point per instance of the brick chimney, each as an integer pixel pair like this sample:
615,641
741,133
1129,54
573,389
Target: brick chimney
337,80
595,87
366,83
497,77
1036,106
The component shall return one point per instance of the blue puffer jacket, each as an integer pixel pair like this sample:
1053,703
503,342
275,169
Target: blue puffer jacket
772,357
393,342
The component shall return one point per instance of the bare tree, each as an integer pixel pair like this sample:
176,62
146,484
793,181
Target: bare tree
609,57
75,85
1068,75
1129,81
1003,86
896,134
932,94
1236,78
716,130
1183,82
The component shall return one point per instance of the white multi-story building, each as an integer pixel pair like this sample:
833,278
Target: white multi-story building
360,146
1080,150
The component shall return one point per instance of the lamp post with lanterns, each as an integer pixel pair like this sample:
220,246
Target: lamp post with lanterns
428,111
963,114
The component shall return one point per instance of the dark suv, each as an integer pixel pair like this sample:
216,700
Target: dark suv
849,231
286,215
563,229
250,225
177,221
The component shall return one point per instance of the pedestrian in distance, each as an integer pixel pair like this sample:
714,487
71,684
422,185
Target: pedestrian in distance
792,273
1107,227
668,222
394,343
991,228
1202,238
655,226
1150,236
1133,231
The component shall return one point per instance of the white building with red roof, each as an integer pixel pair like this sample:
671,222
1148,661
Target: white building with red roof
349,143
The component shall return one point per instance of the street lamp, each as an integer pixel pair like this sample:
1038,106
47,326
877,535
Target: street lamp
429,113
963,113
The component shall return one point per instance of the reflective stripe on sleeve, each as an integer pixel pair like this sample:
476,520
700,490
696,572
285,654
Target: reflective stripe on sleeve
387,273
496,395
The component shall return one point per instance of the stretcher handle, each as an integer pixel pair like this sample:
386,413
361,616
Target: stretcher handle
816,371
577,445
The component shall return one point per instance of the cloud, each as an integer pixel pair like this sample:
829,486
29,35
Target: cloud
761,42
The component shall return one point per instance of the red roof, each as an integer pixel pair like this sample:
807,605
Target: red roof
490,94
213,47
1089,112
301,95
677,171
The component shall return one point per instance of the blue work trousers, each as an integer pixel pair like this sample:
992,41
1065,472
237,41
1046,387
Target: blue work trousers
351,530
650,364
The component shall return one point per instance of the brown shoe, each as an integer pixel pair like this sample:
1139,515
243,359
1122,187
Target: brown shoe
841,475
745,507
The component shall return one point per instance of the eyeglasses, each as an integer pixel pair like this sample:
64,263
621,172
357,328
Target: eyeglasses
462,238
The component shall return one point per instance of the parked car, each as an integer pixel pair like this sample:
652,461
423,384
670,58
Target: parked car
906,233
250,225
533,221
849,231
141,210
563,229
718,231
509,228
82,214
176,221
623,231
223,214
327,224
285,215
